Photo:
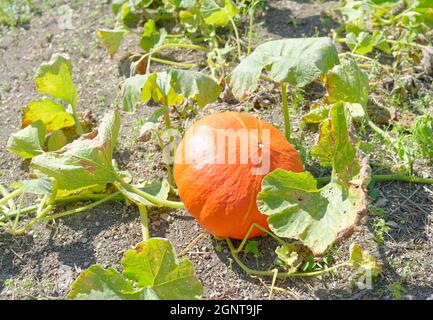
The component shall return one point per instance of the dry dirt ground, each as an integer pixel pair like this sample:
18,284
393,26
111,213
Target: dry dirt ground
43,263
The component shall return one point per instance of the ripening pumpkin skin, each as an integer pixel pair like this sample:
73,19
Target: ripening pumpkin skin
222,196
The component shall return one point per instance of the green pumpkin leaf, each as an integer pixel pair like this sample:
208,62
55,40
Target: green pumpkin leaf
346,82
334,147
85,161
97,283
152,37
170,88
111,39
154,267
218,15
361,44
294,61
317,114
57,140
39,186
319,217
52,114
55,79
183,3
134,92
195,85
316,217
28,142
190,19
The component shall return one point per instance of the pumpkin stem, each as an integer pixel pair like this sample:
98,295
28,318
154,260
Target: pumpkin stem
285,111
144,222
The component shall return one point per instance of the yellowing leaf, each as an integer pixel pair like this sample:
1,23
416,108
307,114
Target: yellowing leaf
218,15
111,39
361,259
55,79
52,114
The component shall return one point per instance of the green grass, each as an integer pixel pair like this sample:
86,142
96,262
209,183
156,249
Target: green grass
15,13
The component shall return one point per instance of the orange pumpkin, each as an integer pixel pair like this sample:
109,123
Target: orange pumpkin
219,167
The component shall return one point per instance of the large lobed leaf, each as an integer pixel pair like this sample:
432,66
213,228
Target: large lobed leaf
55,79
319,217
85,161
151,271
153,265
297,61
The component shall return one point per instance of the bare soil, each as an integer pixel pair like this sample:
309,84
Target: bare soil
43,263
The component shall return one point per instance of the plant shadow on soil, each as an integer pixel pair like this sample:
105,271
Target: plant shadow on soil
284,23
67,242
403,246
